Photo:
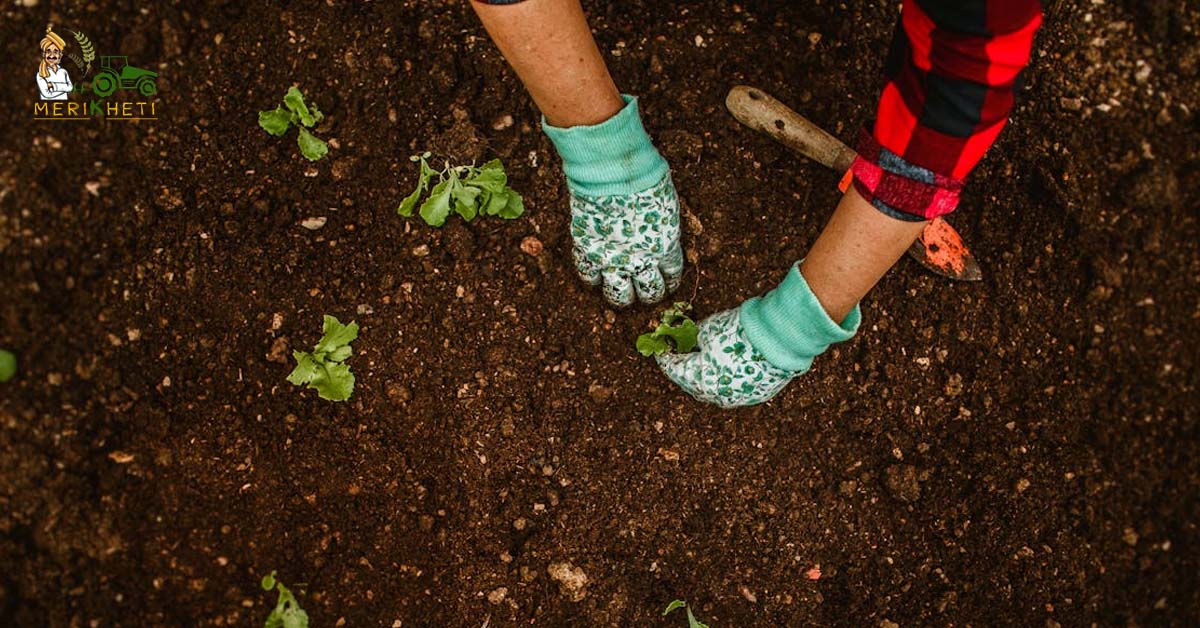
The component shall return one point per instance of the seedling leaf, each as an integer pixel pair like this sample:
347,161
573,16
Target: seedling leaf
295,112
436,208
336,335
692,621
676,332
287,612
670,607
294,101
310,146
514,207
467,190
336,384
324,368
275,122
410,202
306,368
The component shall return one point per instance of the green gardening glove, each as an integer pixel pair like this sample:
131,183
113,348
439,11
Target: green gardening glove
624,209
748,354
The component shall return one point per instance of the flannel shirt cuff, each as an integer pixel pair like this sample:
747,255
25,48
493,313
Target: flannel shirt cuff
898,188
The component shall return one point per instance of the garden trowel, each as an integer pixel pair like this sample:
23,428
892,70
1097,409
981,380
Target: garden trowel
939,247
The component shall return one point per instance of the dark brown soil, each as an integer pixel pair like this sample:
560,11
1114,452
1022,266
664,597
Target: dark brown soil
1019,452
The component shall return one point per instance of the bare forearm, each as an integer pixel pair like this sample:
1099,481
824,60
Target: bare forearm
855,250
550,46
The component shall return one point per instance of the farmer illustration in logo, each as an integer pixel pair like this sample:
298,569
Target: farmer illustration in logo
53,81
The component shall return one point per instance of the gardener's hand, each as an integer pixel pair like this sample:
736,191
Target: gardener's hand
725,369
748,354
629,242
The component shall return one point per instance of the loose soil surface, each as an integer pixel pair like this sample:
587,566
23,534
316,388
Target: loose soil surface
1019,452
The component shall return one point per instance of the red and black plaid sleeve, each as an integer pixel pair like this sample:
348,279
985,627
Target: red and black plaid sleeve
952,74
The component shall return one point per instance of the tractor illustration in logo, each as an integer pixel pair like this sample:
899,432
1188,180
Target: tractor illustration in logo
116,73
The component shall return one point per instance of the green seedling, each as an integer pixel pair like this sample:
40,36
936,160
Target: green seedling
323,369
287,612
296,112
467,190
692,621
676,332
8,366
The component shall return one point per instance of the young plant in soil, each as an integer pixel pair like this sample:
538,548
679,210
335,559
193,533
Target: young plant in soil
324,368
467,190
287,612
676,332
692,621
296,112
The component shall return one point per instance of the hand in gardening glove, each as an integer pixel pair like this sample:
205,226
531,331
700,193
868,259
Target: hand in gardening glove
748,354
624,209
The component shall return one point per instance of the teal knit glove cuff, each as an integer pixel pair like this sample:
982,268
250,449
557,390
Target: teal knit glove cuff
789,327
612,158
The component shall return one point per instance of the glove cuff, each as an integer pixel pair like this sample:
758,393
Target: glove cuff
789,327
615,157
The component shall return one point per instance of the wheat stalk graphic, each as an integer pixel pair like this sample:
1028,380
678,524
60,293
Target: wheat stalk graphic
89,53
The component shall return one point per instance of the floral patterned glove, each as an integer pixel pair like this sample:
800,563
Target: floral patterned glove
630,243
624,210
748,354
725,369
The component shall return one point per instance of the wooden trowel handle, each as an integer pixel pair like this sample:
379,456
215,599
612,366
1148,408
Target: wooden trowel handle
758,110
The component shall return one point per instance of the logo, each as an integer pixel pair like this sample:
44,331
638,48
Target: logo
117,90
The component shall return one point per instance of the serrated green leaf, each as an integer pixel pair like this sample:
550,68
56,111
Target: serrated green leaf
495,202
649,344
466,200
336,383
294,101
514,207
490,177
275,122
339,354
311,147
306,368
436,208
683,336
335,334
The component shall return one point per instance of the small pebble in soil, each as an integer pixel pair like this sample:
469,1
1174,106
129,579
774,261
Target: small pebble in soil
421,250
572,581
279,351
503,122
313,223
497,595
530,245
748,594
814,573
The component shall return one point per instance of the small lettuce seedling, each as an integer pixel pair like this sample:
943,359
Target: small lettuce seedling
467,190
297,112
323,369
676,332
287,612
692,621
